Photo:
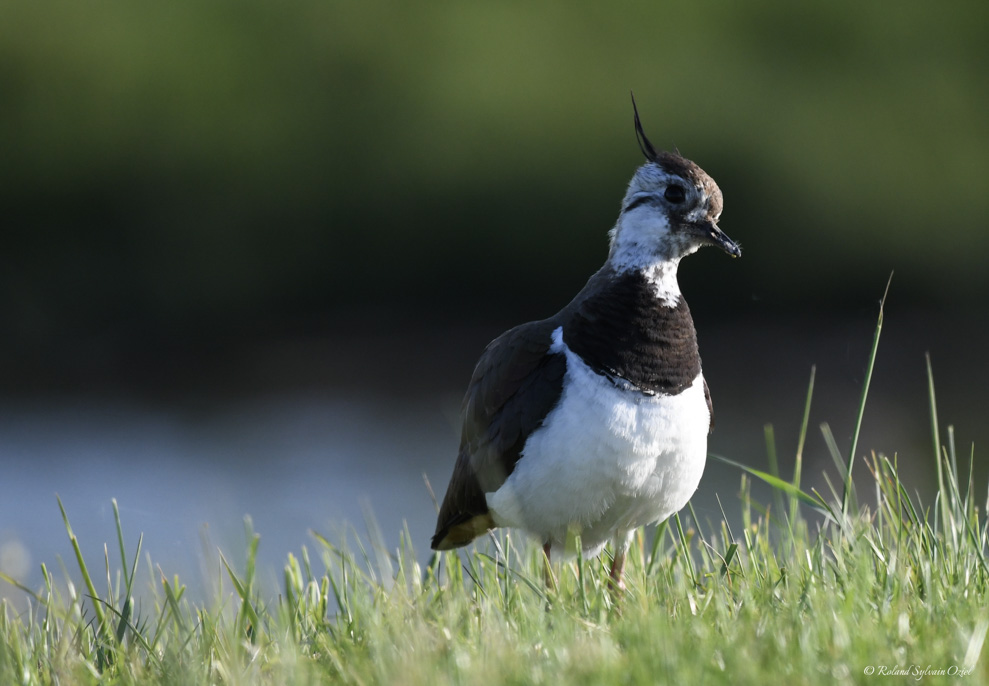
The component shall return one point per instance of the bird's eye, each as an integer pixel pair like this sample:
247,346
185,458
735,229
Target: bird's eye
675,194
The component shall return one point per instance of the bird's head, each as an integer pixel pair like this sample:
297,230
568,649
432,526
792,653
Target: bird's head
670,210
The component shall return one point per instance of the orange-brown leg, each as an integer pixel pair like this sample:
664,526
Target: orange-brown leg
618,571
621,543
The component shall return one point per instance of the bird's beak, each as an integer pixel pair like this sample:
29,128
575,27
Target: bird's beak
710,233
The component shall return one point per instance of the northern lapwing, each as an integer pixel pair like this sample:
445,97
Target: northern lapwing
594,422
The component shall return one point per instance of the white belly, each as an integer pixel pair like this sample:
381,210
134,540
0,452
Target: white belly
605,461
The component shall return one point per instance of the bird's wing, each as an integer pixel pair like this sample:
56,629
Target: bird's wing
710,406
515,384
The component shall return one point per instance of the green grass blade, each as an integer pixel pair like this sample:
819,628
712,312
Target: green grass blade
846,495
799,458
102,626
937,438
24,589
774,468
685,548
657,540
975,643
250,623
833,450
728,557
173,594
775,482
120,544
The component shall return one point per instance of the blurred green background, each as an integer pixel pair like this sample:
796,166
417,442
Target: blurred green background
180,178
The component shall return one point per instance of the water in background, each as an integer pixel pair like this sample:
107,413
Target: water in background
185,474
187,480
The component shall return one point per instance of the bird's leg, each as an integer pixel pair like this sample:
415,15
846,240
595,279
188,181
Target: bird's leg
622,543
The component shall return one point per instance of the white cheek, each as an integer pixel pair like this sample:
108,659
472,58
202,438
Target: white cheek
639,239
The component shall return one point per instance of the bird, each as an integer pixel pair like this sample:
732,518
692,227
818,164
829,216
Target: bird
594,422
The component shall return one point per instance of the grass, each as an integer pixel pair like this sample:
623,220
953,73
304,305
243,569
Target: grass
818,588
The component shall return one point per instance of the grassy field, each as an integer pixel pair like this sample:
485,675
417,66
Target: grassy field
814,588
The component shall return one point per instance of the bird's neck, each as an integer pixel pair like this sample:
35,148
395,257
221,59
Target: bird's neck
660,276
624,330
637,246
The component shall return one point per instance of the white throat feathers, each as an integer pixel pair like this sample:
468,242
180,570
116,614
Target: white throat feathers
641,241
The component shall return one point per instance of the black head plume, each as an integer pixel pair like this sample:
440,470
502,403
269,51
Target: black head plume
644,145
